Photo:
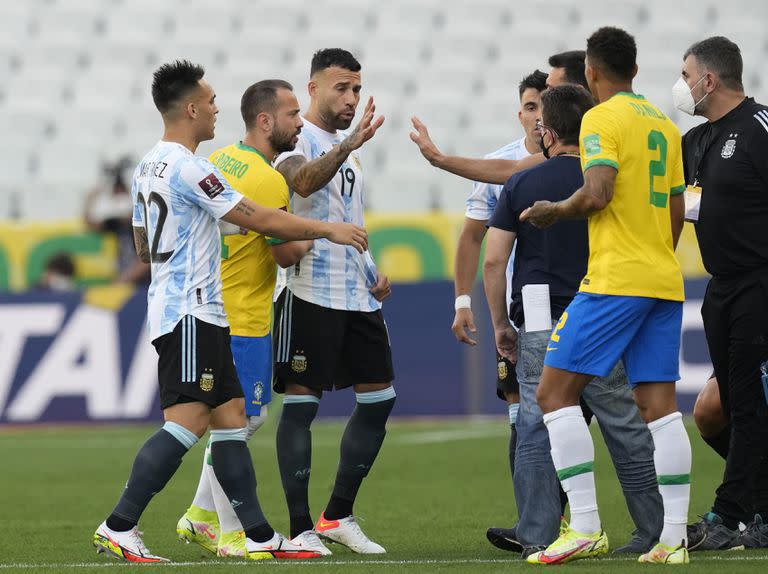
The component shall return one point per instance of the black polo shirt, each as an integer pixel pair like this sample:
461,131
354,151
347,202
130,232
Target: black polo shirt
556,256
728,159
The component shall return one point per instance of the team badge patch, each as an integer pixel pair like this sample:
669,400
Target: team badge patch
502,370
299,363
211,185
206,380
258,392
592,144
729,147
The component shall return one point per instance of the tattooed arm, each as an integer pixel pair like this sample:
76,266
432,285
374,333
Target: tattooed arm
283,225
141,244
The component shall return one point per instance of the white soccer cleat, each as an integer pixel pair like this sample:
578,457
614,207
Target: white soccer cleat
126,546
347,531
309,540
277,547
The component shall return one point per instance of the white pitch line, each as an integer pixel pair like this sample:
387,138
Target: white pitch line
309,563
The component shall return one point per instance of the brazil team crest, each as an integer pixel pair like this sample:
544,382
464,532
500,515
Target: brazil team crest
502,370
206,380
299,363
258,392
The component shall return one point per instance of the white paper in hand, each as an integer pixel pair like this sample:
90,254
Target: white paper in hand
538,313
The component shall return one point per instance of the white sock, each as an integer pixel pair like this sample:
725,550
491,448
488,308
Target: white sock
204,497
228,521
672,457
573,454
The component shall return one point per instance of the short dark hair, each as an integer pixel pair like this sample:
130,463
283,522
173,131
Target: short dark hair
573,64
537,80
173,81
562,110
614,50
260,97
330,57
61,263
721,56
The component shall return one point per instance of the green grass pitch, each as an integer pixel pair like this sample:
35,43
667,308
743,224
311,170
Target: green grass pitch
434,490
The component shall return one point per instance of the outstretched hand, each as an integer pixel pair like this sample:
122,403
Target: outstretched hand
364,130
421,138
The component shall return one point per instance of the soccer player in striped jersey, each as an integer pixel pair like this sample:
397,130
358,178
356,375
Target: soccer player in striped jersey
178,199
630,302
331,332
248,272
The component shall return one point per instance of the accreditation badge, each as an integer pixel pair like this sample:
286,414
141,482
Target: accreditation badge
692,203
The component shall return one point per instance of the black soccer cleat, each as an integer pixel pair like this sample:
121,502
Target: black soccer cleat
505,539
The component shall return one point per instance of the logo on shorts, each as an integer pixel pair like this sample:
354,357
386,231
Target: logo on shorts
258,392
206,380
729,147
299,363
502,370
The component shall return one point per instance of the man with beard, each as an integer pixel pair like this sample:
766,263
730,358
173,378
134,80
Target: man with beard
330,331
248,274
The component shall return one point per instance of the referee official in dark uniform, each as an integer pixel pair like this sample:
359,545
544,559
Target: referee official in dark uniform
726,171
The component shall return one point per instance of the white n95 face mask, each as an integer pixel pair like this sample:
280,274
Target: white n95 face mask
682,96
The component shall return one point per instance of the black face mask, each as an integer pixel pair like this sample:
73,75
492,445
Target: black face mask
544,149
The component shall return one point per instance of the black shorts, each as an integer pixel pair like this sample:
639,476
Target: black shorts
322,349
506,378
195,364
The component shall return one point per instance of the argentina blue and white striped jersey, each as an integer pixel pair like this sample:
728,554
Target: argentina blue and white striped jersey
330,275
178,198
484,197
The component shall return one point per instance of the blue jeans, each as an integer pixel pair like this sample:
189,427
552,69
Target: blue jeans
626,435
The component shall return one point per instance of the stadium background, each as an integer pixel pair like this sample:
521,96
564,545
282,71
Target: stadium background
77,94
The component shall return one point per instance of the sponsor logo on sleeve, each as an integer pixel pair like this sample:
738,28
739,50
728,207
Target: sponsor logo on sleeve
592,144
211,185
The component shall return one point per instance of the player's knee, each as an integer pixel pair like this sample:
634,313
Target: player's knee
708,410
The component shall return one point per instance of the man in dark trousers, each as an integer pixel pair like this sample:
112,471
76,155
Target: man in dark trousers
726,173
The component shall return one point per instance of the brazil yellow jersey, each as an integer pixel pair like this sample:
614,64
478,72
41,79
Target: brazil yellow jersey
248,270
630,241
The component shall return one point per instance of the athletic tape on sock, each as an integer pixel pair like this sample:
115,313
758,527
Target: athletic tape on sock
181,434
376,396
513,408
228,434
297,399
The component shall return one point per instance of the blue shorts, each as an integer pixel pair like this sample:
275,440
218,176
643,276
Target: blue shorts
595,331
253,362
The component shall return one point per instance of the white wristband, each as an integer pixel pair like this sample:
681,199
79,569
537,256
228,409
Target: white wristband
463,302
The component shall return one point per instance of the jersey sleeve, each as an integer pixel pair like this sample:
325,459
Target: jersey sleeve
201,183
598,140
481,202
677,175
275,195
504,216
758,144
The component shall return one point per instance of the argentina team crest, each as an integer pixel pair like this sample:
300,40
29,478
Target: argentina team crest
729,147
299,363
502,370
206,380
